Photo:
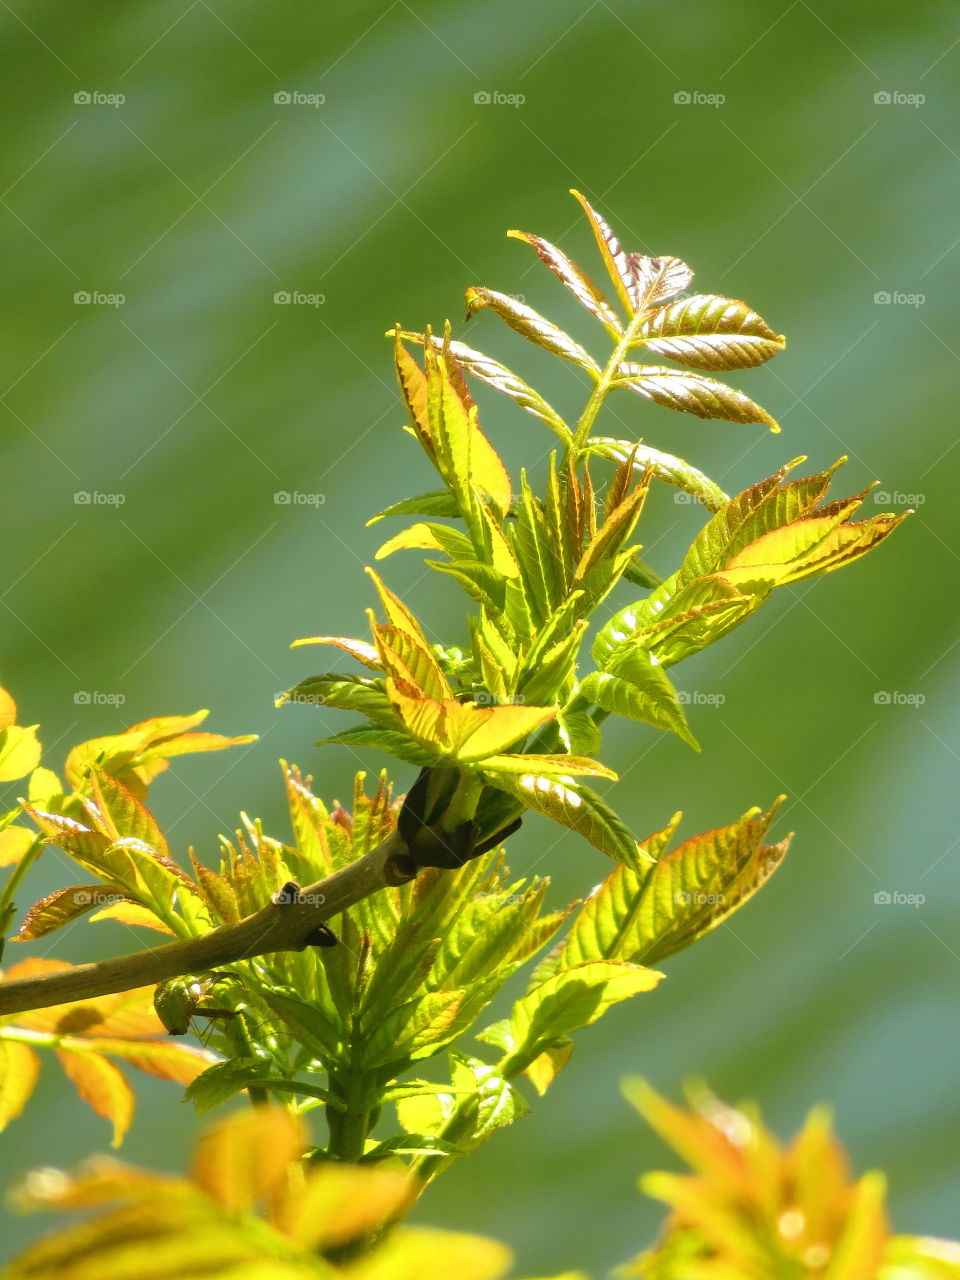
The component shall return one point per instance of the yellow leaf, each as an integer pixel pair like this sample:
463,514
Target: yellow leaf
14,843
19,751
339,1203
247,1155
134,915
8,709
358,649
100,1084
19,1067
421,1254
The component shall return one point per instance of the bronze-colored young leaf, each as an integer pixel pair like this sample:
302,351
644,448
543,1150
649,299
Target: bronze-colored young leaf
664,466
709,332
62,906
691,393
577,281
621,271
531,325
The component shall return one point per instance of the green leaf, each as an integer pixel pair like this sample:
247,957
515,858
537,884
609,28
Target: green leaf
619,268
346,693
635,686
531,325
393,742
428,537
439,502
571,999
645,918
709,332
573,805
312,1025
418,1029
555,766
691,393
664,466
221,1081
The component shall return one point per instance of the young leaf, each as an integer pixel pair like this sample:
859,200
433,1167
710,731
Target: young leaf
62,906
19,1068
621,271
573,805
531,325
708,332
358,649
635,686
691,393
577,281
19,752
500,378
662,465
439,502
101,1085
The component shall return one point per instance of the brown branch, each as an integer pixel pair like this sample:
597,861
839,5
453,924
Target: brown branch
275,927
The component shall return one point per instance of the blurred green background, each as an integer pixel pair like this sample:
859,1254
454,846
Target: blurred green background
815,186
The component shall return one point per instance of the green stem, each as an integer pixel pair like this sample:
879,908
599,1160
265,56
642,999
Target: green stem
582,433
350,1126
7,904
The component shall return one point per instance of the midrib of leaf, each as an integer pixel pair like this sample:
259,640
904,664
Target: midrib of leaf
603,386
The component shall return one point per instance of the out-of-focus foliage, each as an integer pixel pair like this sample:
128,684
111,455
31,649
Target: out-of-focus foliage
754,1209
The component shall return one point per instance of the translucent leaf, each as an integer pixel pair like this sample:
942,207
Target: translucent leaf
19,1068
708,332
531,325
312,1025
657,278
246,1155
19,752
62,906
101,1085
635,686
619,267
358,649
222,1081
396,744
572,999
573,805
691,393
14,843
423,1254
502,379
548,766
467,460
8,709
664,466
407,641
413,1031
335,1204
346,693
577,281
439,502
428,537
138,755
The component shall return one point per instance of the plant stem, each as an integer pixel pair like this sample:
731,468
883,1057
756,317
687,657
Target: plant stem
582,433
273,928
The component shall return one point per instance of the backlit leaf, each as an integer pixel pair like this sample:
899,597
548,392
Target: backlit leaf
691,393
439,502
530,324
662,465
246,1155
621,271
710,333
573,805
19,1068
19,752
577,281
62,906
634,685
358,649
102,1086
